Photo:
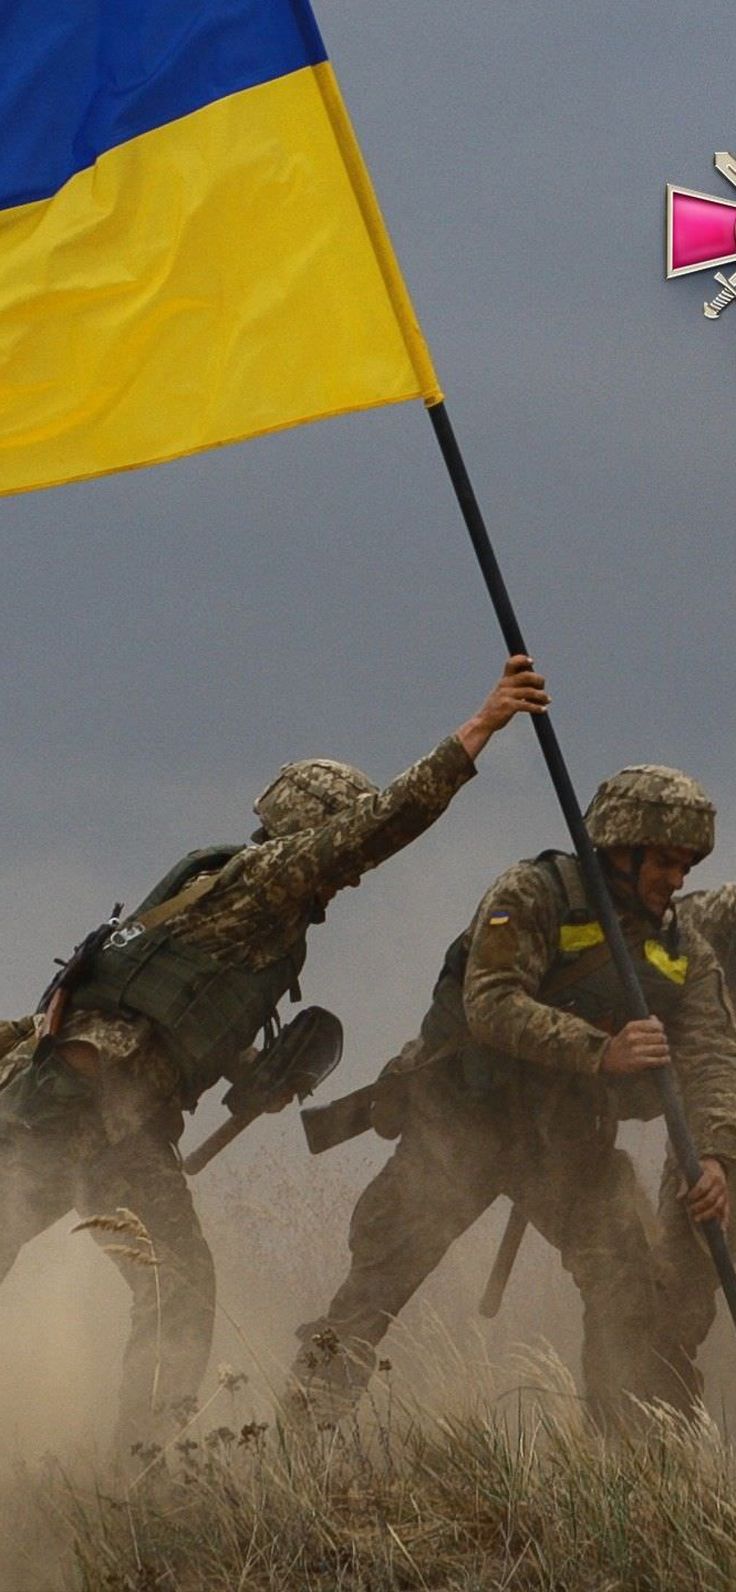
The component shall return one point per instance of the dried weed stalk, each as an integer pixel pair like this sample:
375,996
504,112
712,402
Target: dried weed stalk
140,1253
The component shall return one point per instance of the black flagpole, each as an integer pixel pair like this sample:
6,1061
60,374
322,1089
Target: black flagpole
674,1117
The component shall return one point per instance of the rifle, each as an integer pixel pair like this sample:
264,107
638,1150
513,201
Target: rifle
304,1053
41,1090
380,1105
377,1105
327,1126
55,997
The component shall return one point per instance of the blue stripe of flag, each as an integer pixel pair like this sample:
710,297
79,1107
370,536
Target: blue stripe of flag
78,77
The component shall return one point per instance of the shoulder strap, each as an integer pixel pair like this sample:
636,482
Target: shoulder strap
571,878
209,866
206,860
590,951
185,898
567,876
567,873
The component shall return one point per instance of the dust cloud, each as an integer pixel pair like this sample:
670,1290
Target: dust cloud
277,1219
277,1222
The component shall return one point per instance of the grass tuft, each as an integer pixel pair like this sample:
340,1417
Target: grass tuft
516,1494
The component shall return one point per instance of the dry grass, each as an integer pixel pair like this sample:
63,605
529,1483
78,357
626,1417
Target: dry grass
138,1251
514,1494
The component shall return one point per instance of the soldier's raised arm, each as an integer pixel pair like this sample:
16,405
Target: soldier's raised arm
520,690
359,825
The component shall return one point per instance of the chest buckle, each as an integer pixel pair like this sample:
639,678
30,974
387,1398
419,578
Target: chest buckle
123,936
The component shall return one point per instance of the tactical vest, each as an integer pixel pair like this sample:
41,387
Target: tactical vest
582,980
208,1011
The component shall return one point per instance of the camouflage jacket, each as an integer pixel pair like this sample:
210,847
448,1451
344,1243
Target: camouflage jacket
264,898
713,914
513,947
11,1033
263,901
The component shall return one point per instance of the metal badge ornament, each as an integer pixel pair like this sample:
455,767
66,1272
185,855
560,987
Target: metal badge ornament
701,233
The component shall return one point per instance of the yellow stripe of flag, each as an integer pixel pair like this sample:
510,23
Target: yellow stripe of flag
220,276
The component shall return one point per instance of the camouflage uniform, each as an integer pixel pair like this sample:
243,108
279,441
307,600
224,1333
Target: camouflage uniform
11,1034
515,1105
713,914
118,1150
115,1145
264,898
692,1283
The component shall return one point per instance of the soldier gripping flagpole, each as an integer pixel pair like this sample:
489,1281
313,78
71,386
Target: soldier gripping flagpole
677,1127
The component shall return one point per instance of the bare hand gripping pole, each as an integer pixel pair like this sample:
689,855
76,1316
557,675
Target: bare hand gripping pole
677,1127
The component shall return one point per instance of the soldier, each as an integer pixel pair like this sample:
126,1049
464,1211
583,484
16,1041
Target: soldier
692,1283
169,1004
523,1069
713,914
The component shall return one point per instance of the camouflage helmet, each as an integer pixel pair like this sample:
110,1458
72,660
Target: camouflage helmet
304,795
646,805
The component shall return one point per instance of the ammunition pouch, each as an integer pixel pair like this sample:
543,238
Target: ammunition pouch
208,1011
390,1108
391,1104
468,1067
45,1093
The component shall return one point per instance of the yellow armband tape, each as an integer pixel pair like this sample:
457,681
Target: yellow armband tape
673,967
580,936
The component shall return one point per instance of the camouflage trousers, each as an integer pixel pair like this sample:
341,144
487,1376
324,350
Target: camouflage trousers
118,1150
453,1160
691,1282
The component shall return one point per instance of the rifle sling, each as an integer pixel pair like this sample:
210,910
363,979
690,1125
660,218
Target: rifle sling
586,962
175,904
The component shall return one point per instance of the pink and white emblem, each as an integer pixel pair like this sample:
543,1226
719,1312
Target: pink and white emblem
701,233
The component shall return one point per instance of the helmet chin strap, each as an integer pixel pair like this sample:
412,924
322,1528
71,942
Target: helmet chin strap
629,878
637,858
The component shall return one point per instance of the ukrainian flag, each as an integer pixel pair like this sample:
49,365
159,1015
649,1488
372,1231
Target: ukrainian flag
191,251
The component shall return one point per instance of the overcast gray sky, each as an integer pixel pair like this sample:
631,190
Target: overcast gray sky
170,636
